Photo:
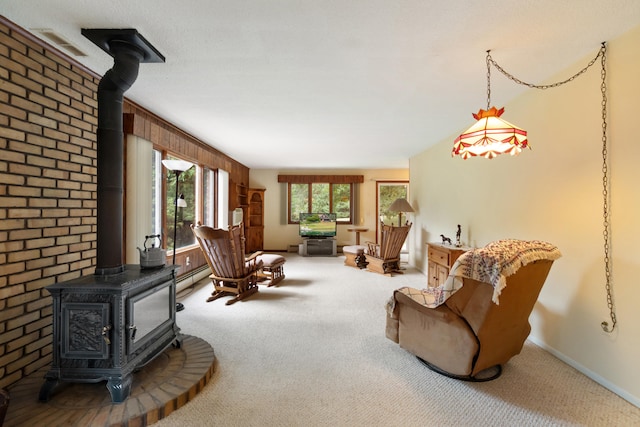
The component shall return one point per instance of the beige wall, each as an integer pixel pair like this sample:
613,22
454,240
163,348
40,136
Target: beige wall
554,193
278,235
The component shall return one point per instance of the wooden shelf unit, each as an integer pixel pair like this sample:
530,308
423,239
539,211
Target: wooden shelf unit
254,220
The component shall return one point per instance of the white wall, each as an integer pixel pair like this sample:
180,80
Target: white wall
278,235
554,193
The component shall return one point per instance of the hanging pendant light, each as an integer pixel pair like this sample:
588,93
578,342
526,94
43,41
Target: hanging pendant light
490,135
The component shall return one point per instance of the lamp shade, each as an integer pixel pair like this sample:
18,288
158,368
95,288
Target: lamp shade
490,136
176,165
401,205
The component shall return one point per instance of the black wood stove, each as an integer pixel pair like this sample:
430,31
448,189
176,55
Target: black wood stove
108,325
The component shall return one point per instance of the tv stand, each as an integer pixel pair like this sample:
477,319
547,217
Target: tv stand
318,247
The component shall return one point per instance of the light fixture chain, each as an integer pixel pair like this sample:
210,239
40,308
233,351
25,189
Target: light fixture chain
601,53
488,80
605,195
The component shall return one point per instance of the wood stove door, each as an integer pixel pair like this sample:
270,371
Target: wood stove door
150,313
87,330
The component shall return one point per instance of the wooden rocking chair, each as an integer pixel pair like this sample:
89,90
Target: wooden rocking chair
385,257
232,273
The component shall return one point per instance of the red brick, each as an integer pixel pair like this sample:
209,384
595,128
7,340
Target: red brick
14,89
57,96
6,246
42,121
55,154
25,234
40,243
11,224
9,133
23,255
12,43
42,162
12,202
9,291
25,277
21,341
11,335
41,141
27,83
22,362
41,223
42,100
43,203
25,148
27,105
40,263
41,182
13,111
22,169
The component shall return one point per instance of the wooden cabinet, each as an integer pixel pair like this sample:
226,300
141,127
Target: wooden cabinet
441,259
254,220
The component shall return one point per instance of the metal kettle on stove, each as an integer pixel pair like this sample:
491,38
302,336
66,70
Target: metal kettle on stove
152,257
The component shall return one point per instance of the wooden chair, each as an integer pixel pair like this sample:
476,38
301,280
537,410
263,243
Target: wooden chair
384,258
232,272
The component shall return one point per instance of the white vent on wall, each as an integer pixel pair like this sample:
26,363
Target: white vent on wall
58,40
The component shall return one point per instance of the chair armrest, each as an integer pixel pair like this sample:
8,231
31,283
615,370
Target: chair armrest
372,248
253,256
440,312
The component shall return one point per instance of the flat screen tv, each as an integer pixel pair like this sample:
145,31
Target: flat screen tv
318,225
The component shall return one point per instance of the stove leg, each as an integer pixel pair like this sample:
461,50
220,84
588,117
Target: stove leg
119,388
46,389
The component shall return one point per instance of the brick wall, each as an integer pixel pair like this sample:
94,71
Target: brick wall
48,120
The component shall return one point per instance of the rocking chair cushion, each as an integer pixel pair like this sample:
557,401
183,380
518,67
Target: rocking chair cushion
354,249
271,260
272,268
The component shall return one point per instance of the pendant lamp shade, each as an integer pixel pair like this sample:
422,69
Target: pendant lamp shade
490,136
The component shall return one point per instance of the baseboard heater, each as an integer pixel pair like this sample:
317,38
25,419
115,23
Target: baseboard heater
192,278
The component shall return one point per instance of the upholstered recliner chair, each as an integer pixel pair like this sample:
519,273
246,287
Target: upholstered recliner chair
475,322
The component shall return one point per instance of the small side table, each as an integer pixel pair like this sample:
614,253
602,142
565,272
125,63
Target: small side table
358,230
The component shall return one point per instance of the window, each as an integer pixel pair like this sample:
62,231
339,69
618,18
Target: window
197,191
321,197
186,215
321,193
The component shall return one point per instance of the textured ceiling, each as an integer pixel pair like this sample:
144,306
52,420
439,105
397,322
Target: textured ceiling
333,83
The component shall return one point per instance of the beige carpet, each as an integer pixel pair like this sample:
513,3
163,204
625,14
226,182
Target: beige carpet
312,352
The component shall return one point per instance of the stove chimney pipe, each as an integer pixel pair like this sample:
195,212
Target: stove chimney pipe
128,49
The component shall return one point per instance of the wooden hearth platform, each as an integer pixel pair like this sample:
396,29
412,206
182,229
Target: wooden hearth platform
164,385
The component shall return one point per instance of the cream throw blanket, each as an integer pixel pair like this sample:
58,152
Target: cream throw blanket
491,264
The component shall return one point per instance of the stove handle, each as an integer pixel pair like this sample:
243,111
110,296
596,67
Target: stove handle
132,331
105,331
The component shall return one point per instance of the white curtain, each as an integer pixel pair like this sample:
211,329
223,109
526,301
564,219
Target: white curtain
138,215
223,199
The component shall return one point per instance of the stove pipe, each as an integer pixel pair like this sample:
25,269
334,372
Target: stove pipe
128,49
